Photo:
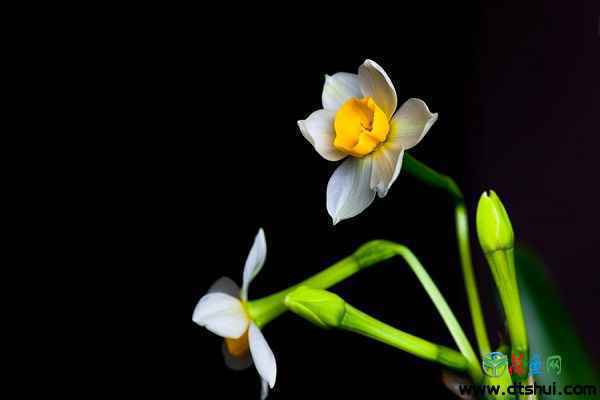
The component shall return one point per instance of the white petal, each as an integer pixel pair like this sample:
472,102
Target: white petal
225,285
387,163
348,190
374,82
254,262
236,363
318,130
338,89
263,357
221,314
264,389
411,122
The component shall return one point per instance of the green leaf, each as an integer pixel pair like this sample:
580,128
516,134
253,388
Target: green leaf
550,329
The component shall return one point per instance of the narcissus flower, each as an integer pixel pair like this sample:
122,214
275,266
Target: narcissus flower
359,122
222,311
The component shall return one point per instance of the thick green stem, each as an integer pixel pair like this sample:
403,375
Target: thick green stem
268,308
327,310
264,310
502,266
509,296
357,321
437,180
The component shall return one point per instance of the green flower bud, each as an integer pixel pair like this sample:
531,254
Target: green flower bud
494,229
496,237
322,308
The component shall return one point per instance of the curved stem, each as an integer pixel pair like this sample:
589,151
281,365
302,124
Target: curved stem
435,179
431,177
447,315
264,310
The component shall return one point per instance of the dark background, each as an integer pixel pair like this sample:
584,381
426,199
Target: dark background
517,91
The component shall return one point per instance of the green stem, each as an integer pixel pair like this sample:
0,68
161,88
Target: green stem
264,310
427,175
503,270
442,306
509,296
462,235
503,381
357,321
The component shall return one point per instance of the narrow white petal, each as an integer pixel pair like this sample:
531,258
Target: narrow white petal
236,363
254,262
338,89
376,83
264,389
263,357
411,122
221,314
318,130
387,163
348,190
225,285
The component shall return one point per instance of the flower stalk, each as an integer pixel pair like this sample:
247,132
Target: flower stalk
328,310
427,175
268,308
496,237
264,310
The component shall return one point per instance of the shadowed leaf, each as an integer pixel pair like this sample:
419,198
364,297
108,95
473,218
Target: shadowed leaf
550,330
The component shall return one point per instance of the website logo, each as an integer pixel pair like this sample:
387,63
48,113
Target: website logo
535,365
516,366
494,364
554,364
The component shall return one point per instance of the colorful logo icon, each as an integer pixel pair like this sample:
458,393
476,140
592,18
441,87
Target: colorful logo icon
494,364
554,364
535,365
517,366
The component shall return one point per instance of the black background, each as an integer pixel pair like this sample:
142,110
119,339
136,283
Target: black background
516,88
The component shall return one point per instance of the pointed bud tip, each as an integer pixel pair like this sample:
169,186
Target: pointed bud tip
494,228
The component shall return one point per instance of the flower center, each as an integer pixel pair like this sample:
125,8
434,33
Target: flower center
360,126
238,347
